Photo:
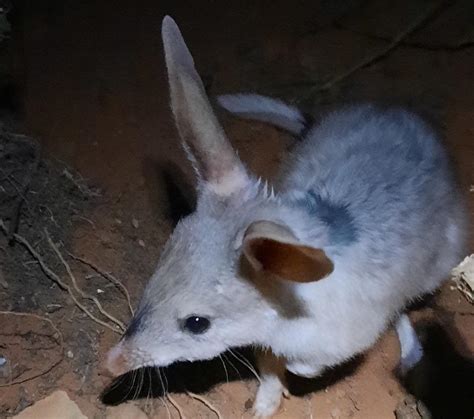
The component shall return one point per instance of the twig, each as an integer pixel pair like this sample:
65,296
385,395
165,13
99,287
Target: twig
108,276
21,137
454,47
55,278
60,341
80,184
76,287
205,402
16,212
11,179
416,24
175,404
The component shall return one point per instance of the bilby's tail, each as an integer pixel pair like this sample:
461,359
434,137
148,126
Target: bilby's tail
266,109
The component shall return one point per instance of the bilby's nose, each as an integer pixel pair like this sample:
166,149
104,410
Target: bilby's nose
116,362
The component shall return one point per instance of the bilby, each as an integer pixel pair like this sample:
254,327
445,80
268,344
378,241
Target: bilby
366,217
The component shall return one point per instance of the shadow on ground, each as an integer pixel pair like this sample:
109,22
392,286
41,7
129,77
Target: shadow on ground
200,377
443,379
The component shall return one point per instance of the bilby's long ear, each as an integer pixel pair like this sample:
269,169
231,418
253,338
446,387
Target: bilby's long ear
204,139
273,248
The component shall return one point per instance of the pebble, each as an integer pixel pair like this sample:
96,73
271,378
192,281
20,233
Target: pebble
69,354
135,223
336,413
3,361
52,308
141,243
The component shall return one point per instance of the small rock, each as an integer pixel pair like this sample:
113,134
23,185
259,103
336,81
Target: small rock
24,399
141,243
56,406
69,354
125,411
3,361
100,291
52,308
336,413
118,221
407,409
135,223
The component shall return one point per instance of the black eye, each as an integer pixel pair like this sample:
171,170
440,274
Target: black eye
196,325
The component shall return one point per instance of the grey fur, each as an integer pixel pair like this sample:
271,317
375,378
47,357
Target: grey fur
371,187
342,228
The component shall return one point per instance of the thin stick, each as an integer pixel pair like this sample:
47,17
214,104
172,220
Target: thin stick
416,24
454,47
14,182
76,287
246,363
60,341
55,278
175,404
16,212
205,402
82,187
108,276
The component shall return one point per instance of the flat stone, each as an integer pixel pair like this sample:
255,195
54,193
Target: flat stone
57,405
125,411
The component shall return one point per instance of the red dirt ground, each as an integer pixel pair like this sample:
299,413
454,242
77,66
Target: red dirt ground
96,95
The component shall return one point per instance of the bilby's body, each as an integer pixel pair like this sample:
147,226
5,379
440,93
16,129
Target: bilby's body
367,217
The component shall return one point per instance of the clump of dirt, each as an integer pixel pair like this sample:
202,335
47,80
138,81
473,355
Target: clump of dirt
37,196
39,199
35,340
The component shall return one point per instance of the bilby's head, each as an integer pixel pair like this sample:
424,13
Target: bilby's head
215,282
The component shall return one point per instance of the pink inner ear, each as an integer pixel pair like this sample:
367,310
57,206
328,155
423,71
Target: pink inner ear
203,137
215,160
292,262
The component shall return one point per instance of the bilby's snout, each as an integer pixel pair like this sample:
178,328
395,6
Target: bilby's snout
116,362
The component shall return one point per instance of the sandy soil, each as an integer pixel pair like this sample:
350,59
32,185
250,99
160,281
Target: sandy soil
94,92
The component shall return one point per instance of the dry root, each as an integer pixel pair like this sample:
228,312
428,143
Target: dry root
59,339
119,327
205,402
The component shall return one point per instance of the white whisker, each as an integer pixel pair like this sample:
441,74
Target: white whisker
163,398
246,362
233,366
225,369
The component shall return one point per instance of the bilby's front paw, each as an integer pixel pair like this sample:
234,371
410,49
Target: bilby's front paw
268,398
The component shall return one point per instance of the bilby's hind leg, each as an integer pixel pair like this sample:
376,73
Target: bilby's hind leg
411,350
